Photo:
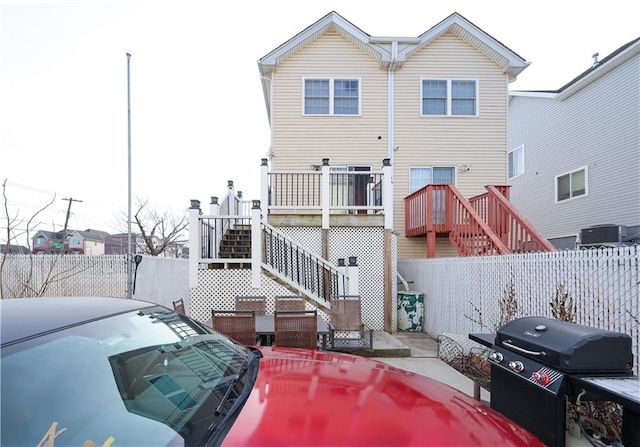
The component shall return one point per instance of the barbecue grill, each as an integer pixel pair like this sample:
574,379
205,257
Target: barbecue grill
538,364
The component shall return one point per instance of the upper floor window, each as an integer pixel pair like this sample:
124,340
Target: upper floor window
331,96
40,240
573,184
449,97
516,162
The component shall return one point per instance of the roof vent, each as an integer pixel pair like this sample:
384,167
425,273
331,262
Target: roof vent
595,59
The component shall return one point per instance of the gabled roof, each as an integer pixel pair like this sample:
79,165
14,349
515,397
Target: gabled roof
593,73
391,52
90,235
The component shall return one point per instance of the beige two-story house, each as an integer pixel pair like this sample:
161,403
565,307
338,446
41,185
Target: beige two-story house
434,106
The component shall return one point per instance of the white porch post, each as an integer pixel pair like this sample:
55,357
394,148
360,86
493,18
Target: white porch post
342,268
387,193
256,245
326,193
231,198
353,271
264,185
195,249
214,206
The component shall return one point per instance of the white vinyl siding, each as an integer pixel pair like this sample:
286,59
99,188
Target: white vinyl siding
516,162
449,97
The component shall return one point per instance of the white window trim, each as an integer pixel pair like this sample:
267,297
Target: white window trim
523,162
448,114
586,185
432,167
331,79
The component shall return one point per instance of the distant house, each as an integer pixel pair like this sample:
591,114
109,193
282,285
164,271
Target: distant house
47,242
13,249
88,242
116,244
574,154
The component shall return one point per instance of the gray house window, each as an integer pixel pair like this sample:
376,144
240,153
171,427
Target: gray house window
516,162
572,184
331,96
446,97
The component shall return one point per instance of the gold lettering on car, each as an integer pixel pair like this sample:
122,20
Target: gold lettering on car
51,434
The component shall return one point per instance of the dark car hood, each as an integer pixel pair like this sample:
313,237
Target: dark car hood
317,398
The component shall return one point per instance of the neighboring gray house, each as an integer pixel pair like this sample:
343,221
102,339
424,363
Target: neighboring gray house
574,154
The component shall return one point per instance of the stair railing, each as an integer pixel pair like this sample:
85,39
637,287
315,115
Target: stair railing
442,209
516,232
310,273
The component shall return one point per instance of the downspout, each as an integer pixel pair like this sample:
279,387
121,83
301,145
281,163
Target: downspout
391,99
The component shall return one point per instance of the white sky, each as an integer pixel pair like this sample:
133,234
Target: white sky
197,109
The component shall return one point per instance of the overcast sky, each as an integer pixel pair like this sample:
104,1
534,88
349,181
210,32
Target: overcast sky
198,117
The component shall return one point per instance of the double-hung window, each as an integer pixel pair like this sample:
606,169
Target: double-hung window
331,96
516,162
449,97
572,184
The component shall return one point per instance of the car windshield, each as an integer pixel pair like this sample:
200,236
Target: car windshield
150,377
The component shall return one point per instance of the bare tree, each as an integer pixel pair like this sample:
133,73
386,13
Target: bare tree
159,231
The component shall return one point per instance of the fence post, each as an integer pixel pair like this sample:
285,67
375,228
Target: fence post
387,193
326,193
195,239
353,271
264,185
256,244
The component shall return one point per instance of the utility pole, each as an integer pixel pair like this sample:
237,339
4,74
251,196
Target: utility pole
129,253
66,220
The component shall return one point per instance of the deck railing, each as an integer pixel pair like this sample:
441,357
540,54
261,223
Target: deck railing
484,225
327,190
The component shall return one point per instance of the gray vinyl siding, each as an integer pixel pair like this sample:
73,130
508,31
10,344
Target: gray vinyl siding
599,128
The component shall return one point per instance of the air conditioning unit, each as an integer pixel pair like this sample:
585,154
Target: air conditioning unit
603,235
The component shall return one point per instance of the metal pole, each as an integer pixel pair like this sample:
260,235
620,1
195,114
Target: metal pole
129,254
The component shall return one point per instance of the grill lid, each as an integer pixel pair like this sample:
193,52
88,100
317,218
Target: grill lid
567,346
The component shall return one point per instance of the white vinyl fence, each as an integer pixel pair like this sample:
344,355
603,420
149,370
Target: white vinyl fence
464,295
159,280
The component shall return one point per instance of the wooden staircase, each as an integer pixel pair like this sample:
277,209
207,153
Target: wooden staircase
236,244
484,225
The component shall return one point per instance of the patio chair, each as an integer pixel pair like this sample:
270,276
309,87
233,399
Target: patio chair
347,332
296,329
239,325
178,306
290,302
255,303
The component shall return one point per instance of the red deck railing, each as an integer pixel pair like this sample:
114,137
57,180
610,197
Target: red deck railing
484,225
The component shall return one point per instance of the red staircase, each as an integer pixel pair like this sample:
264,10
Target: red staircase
487,224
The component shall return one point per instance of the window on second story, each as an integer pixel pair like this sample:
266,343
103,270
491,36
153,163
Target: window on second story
331,96
573,184
39,241
448,97
516,162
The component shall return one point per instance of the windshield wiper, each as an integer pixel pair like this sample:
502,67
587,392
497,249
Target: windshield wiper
253,355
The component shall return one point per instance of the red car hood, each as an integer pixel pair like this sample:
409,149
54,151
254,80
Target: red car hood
317,398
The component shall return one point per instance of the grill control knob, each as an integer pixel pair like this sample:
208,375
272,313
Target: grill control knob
496,356
541,377
516,365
